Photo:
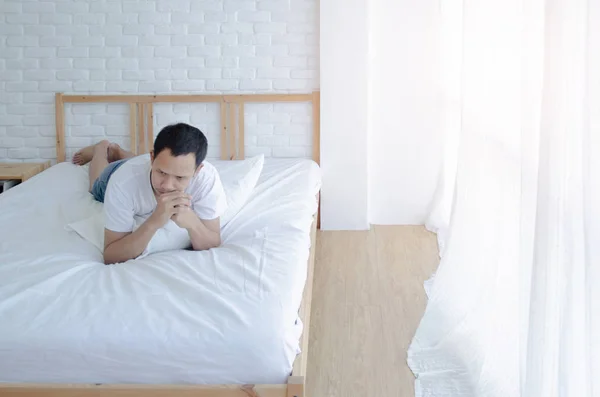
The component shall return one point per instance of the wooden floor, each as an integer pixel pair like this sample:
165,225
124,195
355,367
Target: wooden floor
368,299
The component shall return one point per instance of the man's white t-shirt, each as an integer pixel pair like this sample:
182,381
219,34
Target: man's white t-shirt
129,199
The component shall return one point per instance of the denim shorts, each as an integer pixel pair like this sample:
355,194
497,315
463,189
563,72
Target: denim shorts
100,184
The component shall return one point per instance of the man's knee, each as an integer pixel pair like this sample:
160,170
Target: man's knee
101,148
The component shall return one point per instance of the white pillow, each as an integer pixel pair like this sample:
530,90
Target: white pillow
91,229
239,178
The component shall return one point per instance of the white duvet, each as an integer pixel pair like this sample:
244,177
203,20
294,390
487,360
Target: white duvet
228,315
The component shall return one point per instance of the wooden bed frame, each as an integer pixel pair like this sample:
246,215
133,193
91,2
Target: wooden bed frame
141,133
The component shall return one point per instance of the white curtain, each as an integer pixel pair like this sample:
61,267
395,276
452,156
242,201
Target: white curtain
512,309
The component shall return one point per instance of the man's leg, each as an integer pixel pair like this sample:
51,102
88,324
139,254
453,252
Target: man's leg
99,156
116,152
99,160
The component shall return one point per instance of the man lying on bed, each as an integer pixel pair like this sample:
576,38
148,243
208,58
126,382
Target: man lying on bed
174,183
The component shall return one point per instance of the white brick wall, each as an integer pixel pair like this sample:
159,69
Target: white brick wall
154,46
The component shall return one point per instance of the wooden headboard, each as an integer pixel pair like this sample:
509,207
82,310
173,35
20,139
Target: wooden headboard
141,118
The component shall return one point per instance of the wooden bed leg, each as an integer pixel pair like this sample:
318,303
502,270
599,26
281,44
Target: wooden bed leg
295,386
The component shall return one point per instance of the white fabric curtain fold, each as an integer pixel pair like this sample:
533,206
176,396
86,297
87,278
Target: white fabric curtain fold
512,310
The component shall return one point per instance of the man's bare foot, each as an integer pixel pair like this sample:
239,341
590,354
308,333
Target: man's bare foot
114,152
85,155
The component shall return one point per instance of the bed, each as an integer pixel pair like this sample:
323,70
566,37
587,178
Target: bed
232,321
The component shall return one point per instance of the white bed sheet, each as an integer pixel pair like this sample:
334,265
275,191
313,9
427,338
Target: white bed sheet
228,315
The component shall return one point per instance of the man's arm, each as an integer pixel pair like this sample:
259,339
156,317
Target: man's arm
120,247
204,234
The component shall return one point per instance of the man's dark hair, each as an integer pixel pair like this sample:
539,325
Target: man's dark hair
182,139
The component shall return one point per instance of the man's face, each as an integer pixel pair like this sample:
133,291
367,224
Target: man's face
172,173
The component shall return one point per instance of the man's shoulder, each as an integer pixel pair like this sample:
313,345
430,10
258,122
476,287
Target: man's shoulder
206,179
209,169
132,171
208,174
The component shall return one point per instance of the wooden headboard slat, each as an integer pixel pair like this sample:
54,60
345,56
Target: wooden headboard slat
316,137
141,129
223,130
231,130
60,128
140,98
149,125
132,128
241,141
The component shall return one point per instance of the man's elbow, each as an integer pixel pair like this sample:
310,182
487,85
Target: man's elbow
109,256
108,259
214,243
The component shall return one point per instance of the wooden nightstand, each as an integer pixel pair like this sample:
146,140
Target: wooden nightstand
21,171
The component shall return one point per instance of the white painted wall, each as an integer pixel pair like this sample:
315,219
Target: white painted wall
344,135
154,46
405,138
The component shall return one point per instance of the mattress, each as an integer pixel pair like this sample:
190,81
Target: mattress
228,315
